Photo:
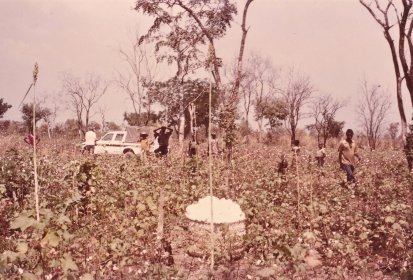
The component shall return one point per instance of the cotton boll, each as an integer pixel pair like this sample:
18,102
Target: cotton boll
224,211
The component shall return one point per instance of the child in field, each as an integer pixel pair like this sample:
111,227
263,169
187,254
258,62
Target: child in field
296,151
320,155
296,147
214,145
192,146
282,166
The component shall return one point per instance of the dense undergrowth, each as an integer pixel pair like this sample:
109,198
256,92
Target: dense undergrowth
99,215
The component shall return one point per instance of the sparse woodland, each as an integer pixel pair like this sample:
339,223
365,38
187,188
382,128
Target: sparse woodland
118,217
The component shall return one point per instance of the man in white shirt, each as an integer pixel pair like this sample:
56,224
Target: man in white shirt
90,141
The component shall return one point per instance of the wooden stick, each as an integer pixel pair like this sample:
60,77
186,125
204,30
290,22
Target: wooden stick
36,184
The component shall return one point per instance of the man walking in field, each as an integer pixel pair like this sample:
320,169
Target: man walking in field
347,152
90,141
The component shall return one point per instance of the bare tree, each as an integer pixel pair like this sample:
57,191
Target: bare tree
257,84
383,13
3,107
103,122
296,94
50,120
374,104
323,110
84,95
141,72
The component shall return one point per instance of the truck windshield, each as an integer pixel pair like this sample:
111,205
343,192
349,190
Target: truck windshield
119,137
107,137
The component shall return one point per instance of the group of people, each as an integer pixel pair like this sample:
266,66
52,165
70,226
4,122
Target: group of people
161,136
347,149
192,148
347,155
160,143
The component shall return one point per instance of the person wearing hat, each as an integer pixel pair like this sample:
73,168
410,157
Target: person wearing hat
90,141
347,152
145,145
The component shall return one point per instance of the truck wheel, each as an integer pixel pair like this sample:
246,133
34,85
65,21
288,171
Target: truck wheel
129,154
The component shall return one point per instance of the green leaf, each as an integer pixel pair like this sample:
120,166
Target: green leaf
150,203
396,226
68,263
46,213
403,222
363,235
22,222
323,208
22,247
140,233
308,235
67,235
312,261
141,207
29,276
266,272
9,256
390,219
51,238
86,276
63,219
2,188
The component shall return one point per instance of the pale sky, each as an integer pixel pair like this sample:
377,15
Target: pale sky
335,42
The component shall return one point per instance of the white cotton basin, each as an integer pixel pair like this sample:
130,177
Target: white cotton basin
225,211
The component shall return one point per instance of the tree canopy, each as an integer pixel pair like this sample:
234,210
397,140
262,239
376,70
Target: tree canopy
42,113
3,107
194,91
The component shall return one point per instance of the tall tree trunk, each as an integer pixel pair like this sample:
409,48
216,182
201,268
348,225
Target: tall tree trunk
398,83
260,130
181,123
401,108
48,132
191,109
235,90
293,128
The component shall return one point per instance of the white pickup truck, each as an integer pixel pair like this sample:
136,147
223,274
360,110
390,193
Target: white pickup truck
121,142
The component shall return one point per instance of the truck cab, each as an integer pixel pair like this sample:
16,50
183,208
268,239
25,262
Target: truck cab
122,142
115,143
